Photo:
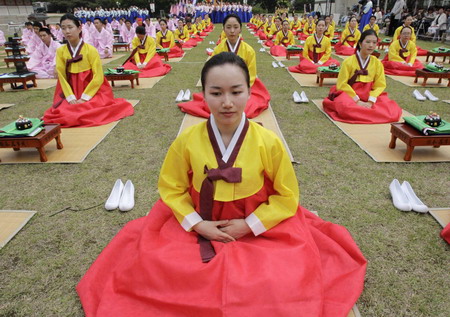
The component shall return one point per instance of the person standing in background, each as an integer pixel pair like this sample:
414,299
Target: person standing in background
396,15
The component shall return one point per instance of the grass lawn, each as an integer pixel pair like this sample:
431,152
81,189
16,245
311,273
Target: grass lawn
408,270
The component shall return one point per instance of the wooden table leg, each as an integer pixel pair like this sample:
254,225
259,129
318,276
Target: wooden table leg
59,144
440,80
1,87
24,84
42,154
321,82
34,82
434,57
392,143
137,80
424,81
415,80
132,83
408,153
428,56
112,83
16,148
317,79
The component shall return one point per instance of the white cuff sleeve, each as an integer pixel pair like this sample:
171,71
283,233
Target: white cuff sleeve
86,97
255,224
71,98
320,62
373,99
356,98
145,64
191,220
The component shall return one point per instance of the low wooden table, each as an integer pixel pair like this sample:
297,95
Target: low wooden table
12,59
9,50
289,53
322,75
14,79
434,55
165,55
376,54
427,74
381,45
131,77
412,137
117,46
50,132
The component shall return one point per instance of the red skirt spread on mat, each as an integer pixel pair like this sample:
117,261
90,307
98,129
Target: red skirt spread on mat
154,68
279,50
307,67
190,43
302,36
345,50
343,108
399,69
258,102
445,233
101,109
304,266
175,51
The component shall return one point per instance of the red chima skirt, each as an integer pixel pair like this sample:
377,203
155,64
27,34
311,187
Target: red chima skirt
399,69
445,233
101,109
196,37
345,50
341,107
258,102
175,51
262,35
302,36
280,50
304,266
190,43
307,67
154,68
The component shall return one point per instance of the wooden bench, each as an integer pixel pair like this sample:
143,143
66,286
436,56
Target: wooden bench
131,77
434,55
427,74
289,53
117,46
50,132
14,79
322,75
413,137
381,45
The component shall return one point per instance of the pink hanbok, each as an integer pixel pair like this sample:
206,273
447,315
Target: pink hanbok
43,60
127,35
150,30
26,36
34,42
103,42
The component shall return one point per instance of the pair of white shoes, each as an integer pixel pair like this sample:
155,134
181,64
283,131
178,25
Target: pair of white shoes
279,64
121,196
404,198
299,98
212,42
426,94
183,95
262,49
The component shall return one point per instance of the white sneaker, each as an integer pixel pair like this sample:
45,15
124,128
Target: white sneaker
416,203
399,198
430,96
187,95
303,96
127,199
281,64
114,198
180,96
418,95
296,97
275,65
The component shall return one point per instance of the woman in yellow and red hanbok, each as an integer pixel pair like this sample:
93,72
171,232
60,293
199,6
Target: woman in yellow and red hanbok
359,95
228,236
144,58
316,52
349,38
83,96
283,39
182,36
166,39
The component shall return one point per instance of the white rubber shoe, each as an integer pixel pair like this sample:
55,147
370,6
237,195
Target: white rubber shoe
127,199
418,95
275,65
399,198
187,95
416,203
114,198
296,97
430,96
303,96
180,96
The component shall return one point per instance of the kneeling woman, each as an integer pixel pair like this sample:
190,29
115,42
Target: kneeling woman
143,57
349,37
359,95
316,52
166,39
401,59
283,39
228,236
259,98
83,96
